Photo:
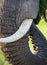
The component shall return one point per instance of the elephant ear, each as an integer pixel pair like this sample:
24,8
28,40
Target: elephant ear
20,52
40,42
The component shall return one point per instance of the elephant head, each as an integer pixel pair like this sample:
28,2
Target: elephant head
17,51
24,12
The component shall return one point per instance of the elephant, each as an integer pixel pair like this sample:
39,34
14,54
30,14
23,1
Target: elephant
17,26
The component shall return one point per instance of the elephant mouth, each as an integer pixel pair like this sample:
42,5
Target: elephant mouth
23,29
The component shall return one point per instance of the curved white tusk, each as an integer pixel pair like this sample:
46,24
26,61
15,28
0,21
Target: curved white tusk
23,29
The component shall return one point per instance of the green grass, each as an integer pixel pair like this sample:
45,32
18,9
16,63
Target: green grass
43,27
3,60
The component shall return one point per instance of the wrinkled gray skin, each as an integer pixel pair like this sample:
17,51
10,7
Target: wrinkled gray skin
12,13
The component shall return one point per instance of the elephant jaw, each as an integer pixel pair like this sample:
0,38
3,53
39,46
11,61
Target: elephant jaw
23,29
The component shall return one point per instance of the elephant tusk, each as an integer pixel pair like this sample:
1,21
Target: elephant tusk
23,29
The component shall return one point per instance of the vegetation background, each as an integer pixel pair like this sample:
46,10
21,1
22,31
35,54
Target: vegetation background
43,9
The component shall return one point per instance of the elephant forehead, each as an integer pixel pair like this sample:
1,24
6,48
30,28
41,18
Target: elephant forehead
30,8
